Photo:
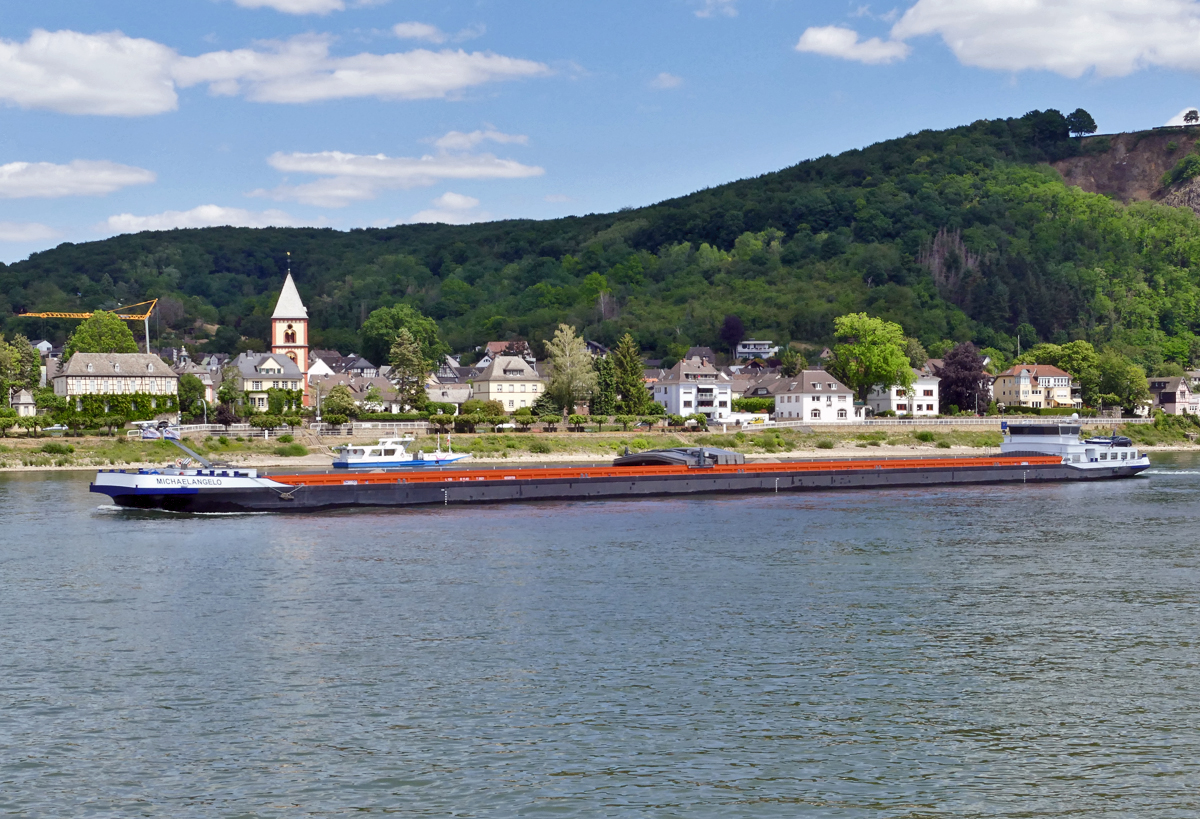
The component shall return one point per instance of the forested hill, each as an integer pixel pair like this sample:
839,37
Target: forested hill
960,234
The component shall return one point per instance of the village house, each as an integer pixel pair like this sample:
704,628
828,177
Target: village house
115,374
817,397
494,349
23,403
261,372
755,349
511,380
448,392
1034,385
922,403
1173,396
693,386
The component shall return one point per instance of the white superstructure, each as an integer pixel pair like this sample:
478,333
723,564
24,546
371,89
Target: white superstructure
1064,440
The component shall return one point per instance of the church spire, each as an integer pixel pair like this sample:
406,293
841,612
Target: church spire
289,305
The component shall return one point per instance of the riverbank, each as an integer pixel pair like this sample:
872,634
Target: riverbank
308,452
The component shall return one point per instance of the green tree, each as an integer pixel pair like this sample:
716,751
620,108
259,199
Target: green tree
340,402
20,366
191,390
916,353
409,369
572,375
633,397
230,391
790,362
872,354
380,329
604,398
1121,382
1080,122
102,332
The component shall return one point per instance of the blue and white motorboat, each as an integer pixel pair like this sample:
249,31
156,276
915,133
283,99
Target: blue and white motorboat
392,453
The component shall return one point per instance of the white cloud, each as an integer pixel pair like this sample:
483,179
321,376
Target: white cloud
458,141
295,6
106,74
26,232
834,41
302,70
1178,118
665,81
78,178
113,75
1068,37
419,31
718,8
203,216
355,177
452,209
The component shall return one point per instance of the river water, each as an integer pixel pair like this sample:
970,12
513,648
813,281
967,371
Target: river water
1020,651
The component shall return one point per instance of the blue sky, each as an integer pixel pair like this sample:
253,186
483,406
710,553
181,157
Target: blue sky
130,114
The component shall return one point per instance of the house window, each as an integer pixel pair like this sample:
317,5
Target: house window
274,385
902,406
815,415
89,368
928,393
687,404
841,413
816,386
522,390
900,393
257,385
510,403
841,398
535,386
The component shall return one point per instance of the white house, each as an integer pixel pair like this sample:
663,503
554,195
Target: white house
923,403
756,349
695,386
23,403
817,397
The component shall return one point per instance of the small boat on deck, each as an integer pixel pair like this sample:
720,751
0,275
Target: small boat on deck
392,453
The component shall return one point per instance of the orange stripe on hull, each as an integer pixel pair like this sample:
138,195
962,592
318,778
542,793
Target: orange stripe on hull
584,473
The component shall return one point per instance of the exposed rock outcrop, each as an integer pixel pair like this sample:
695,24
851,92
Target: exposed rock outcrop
1131,170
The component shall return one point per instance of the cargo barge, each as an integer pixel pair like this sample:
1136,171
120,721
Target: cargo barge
1029,454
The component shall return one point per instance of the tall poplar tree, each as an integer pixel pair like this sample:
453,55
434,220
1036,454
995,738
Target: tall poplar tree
572,376
633,397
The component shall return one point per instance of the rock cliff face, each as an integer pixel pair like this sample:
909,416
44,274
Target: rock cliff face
1131,170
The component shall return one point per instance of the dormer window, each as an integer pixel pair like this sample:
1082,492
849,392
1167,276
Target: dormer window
816,386
149,368
90,368
116,368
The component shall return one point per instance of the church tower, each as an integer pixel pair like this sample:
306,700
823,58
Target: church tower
289,326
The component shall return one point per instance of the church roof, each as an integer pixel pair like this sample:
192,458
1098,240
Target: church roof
289,305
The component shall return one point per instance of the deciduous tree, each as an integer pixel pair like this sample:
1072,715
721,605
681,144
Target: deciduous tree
963,381
102,332
1080,122
1121,381
604,397
572,375
339,401
380,329
871,354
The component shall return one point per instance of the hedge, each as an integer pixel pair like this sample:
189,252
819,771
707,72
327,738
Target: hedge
393,416
753,404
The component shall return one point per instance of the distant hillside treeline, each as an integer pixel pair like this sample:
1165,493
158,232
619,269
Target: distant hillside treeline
958,234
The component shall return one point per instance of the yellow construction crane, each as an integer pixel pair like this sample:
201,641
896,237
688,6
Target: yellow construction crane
125,313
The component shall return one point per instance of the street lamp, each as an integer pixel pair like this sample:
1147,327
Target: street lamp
204,404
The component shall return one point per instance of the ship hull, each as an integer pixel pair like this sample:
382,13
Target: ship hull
348,490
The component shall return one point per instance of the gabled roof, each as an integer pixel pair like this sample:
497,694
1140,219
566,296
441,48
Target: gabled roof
249,365
116,364
1035,370
803,383
496,370
289,305
693,371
